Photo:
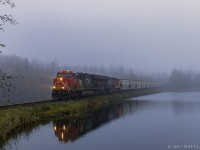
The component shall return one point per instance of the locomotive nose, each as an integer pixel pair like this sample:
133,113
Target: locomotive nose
60,83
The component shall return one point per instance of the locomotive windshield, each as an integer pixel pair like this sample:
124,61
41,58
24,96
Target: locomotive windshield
65,75
59,74
68,75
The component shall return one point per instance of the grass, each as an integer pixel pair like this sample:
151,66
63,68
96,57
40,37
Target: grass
22,116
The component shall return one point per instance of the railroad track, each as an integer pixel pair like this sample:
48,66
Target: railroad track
53,101
38,102
27,103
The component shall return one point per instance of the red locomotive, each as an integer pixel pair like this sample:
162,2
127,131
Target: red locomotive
69,84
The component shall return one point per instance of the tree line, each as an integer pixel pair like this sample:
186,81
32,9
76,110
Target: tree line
32,80
180,79
24,80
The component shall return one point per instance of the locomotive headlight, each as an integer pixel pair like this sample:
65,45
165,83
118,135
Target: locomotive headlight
63,87
54,87
61,79
62,135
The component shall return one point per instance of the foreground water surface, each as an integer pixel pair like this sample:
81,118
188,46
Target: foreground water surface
152,122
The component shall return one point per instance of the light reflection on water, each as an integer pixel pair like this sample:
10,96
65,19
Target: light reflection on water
67,131
149,122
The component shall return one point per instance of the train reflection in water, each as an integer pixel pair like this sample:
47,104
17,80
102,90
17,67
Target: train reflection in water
69,131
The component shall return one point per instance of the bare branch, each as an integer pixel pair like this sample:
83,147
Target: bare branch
1,28
2,45
7,85
7,18
3,2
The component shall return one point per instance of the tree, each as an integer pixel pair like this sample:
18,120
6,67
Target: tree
6,18
180,79
7,86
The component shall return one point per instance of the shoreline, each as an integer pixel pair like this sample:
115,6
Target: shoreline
182,90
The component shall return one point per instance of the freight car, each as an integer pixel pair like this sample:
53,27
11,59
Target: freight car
69,84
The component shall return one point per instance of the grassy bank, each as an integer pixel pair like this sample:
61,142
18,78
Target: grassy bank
13,118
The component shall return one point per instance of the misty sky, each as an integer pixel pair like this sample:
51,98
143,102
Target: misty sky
144,35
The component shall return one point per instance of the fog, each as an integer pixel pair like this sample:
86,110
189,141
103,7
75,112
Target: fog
135,39
180,79
33,79
147,36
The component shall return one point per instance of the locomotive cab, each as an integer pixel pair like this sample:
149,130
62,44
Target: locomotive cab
64,80
64,84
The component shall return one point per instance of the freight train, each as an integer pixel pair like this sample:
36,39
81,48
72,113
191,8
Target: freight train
69,84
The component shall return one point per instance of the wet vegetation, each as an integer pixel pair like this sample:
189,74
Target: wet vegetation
12,119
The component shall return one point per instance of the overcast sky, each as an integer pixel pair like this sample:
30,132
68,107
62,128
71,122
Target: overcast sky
144,35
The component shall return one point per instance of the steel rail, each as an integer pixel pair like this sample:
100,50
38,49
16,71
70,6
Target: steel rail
27,103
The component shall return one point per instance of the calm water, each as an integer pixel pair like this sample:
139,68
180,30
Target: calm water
153,122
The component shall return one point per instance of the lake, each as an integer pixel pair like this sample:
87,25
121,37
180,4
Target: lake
169,120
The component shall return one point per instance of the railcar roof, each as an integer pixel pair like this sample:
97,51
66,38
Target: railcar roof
135,80
102,77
